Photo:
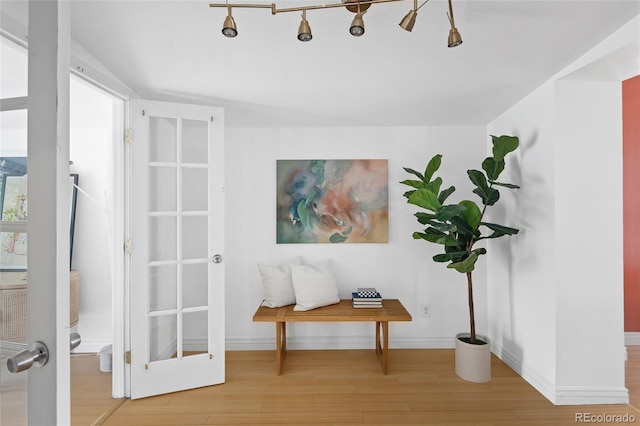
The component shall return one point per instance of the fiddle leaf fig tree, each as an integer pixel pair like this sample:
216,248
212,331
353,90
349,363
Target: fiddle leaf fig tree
458,227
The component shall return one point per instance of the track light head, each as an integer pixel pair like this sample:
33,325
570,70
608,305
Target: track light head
229,27
304,30
409,20
455,39
357,26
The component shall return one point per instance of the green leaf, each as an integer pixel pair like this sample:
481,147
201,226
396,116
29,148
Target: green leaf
445,194
434,185
449,211
498,230
507,185
408,193
480,251
450,256
471,213
434,236
502,145
432,167
425,199
414,172
490,197
413,183
462,226
492,167
443,227
425,218
478,179
466,265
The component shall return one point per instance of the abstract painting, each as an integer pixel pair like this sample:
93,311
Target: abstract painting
332,201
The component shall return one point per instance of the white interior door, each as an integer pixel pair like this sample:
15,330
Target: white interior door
177,237
44,211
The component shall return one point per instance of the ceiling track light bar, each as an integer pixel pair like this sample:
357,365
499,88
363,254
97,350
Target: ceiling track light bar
357,26
351,5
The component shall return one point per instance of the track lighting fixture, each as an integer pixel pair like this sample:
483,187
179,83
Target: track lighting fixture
359,7
304,31
410,18
455,39
357,25
229,27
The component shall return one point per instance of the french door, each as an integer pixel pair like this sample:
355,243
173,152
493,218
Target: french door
176,247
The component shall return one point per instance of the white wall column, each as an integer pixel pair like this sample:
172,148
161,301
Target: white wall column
589,290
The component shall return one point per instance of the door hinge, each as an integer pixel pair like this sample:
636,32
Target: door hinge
127,136
127,246
127,357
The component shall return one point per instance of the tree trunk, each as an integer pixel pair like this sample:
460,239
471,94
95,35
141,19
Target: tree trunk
472,317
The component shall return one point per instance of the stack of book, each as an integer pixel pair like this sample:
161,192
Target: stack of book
366,297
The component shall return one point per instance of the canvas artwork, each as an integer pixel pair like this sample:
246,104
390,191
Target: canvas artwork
14,206
332,201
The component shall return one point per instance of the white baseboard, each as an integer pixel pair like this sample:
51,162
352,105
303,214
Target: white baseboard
539,382
90,347
632,339
562,395
578,395
335,342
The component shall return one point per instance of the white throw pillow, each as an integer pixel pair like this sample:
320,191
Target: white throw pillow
314,286
276,281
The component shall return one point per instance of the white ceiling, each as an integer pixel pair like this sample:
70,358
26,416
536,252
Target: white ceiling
174,50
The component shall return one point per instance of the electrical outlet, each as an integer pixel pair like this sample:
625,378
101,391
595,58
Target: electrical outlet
426,311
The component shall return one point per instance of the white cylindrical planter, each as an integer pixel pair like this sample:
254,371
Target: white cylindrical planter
473,362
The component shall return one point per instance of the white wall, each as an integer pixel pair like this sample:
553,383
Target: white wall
401,269
556,299
91,150
521,268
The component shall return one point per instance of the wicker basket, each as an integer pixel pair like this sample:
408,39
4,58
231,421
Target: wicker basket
13,304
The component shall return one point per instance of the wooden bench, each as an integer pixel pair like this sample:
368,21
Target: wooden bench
392,310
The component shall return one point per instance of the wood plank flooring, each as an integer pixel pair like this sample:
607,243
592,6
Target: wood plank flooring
347,388
90,391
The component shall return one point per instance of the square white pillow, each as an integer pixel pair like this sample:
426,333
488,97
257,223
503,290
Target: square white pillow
314,286
277,284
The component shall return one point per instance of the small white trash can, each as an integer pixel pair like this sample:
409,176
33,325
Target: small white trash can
106,358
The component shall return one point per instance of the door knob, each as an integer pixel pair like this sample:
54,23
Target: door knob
217,258
74,340
36,355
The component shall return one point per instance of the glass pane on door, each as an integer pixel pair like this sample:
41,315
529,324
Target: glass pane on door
178,238
163,134
13,255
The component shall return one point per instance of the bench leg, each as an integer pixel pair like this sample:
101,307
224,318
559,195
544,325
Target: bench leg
382,344
281,345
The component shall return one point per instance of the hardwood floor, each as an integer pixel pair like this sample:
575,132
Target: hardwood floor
341,388
90,391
